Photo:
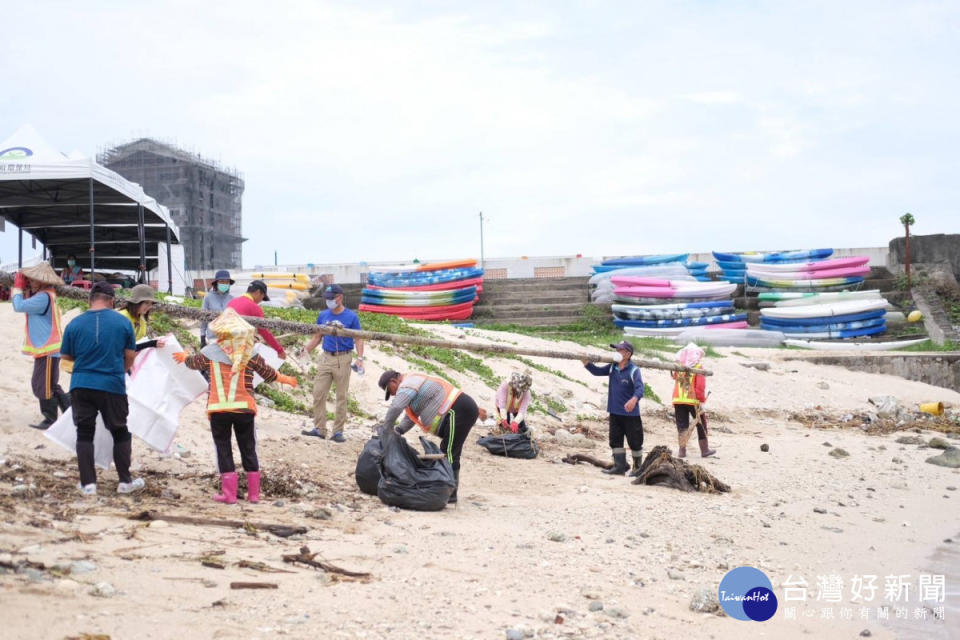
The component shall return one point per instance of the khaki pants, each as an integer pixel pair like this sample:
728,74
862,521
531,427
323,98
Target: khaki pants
331,369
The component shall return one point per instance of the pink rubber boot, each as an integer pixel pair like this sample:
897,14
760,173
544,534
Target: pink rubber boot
253,486
228,488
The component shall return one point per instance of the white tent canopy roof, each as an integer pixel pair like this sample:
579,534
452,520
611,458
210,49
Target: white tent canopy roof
48,195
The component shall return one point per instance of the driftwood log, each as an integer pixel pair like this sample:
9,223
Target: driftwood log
661,468
279,530
310,559
300,328
253,585
577,458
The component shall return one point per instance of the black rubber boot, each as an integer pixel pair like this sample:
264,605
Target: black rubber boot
49,410
453,496
121,459
63,400
85,461
619,465
637,461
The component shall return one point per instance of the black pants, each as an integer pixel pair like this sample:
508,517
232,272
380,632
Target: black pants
455,428
683,413
113,408
221,425
629,426
45,380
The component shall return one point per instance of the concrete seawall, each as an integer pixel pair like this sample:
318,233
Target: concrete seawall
941,369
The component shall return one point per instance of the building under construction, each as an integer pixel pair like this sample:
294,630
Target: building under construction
204,198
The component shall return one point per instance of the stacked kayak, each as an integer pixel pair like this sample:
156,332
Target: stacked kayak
432,291
733,266
288,281
602,286
801,299
838,320
839,273
664,307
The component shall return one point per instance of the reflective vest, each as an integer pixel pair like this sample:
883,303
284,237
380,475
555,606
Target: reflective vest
139,328
53,342
451,394
230,397
683,388
513,402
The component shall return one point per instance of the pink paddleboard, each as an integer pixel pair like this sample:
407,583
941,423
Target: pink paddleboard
843,272
639,281
727,325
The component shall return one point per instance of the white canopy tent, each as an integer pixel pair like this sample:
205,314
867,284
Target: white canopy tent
72,205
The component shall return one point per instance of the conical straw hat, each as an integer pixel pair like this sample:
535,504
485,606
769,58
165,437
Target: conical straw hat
235,336
43,273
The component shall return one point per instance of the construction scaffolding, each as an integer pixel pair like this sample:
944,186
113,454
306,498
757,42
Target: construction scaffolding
203,197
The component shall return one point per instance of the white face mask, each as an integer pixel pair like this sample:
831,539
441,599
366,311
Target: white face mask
332,304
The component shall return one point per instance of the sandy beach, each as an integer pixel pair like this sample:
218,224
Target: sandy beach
534,548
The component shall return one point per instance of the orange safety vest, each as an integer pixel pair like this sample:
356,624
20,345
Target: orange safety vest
683,391
53,342
233,397
513,402
451,393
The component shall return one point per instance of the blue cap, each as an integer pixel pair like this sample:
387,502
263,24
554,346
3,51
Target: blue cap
332,291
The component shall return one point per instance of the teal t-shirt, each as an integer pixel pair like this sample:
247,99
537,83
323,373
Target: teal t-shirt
97,341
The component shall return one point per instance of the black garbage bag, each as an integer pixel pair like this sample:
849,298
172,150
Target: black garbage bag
368,466
511,445
408,482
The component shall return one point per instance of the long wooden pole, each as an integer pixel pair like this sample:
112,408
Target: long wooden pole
285,326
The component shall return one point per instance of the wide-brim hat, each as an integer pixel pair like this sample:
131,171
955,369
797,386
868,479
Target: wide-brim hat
223,274
44,274
142,293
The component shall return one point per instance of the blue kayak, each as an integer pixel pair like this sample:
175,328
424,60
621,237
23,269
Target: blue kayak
636,261
415,279
847,333
850,317
809,255
818,328
681,322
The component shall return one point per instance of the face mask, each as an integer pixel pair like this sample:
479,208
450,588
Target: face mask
223,288
331,304
71,263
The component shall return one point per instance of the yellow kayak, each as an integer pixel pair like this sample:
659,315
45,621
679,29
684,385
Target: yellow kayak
299,277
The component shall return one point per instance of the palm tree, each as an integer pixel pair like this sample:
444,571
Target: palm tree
906,220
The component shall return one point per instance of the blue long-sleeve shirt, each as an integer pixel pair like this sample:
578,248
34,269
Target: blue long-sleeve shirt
624,384
39,312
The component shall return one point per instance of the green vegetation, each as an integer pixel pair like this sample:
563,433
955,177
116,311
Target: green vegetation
161,324
283,401
546,369
650,394
929,345
66,304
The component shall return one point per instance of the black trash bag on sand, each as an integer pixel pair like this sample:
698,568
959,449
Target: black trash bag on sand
368,466
408,482
511,445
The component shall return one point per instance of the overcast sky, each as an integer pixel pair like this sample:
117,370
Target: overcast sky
379,130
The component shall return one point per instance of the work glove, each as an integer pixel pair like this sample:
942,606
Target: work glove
514,427
287,380
503,424
19,281
358,366
180,357
335,323
282,354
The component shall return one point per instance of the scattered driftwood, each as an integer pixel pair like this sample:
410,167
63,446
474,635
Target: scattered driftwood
279,530
309,559
260,566
661,468
254,585
577,458
301,328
